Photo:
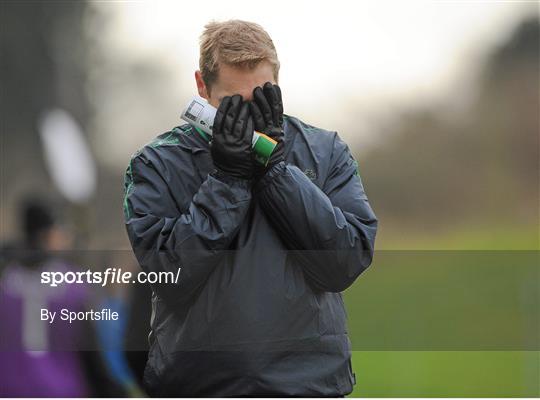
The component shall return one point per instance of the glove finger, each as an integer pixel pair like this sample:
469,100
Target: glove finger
240,124
220,115
280,104
258,119
272,98
262,102
230,117
248,129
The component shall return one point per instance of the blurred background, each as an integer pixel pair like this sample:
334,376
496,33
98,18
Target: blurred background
439,102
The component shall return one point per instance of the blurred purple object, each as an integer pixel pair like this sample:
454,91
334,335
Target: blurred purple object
38,359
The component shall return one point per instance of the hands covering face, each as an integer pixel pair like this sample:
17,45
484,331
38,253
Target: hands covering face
233,129
267,109
231,139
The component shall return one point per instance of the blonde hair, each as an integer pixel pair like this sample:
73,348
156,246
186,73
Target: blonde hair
234,43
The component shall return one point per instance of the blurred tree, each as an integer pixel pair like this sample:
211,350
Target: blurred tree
479,168
42,64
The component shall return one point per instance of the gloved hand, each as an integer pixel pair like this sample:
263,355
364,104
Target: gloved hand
231,140
267,111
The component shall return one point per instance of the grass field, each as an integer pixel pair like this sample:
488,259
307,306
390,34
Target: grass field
446,374
449,323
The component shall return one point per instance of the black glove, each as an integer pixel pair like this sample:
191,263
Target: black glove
231,138
267,111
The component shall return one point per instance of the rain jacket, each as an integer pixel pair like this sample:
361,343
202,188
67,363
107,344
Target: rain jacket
257,308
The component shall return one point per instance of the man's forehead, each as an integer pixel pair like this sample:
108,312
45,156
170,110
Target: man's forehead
234,80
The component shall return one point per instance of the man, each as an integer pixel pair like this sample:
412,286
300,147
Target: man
264,251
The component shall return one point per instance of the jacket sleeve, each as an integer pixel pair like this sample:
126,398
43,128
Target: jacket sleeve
165,237
333,229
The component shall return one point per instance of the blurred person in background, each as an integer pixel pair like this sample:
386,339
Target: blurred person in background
117,337
136,332
40,359
264,251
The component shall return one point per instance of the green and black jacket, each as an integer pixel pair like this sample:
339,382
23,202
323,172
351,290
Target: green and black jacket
257,308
